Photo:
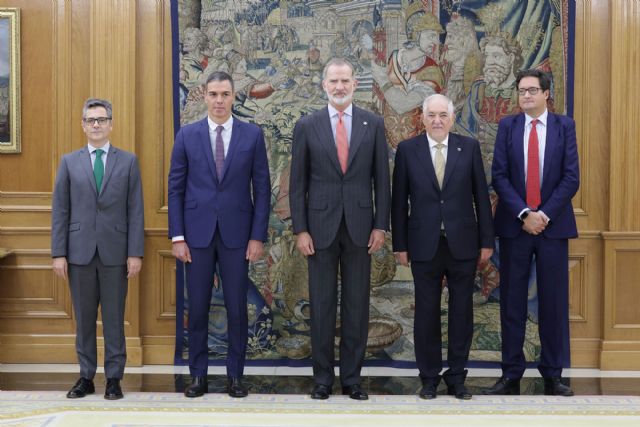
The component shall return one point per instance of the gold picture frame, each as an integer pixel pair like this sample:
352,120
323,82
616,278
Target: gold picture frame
9,80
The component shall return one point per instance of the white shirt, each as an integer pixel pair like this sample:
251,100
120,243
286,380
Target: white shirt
434,150
347,119
541,128
226,134
92,155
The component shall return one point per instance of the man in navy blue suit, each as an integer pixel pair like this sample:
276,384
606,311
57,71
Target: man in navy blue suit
441,222
219,195
535,174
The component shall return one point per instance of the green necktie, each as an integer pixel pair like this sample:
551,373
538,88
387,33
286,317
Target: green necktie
98,169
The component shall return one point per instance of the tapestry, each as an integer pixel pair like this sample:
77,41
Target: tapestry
402,51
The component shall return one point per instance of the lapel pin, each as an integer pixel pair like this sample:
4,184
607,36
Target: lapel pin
364,123
459,149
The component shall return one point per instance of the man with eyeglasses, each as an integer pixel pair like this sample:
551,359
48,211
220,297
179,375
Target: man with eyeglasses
97,243
535,173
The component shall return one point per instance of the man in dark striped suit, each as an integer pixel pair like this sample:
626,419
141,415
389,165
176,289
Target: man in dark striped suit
340,197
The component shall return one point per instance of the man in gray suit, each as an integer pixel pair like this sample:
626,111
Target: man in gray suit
97,243
339,196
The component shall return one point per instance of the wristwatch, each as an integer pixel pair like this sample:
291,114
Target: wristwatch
523,216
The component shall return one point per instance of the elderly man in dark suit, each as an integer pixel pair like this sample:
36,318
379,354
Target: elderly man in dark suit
97,243
219,196
535,173
441,222
339,197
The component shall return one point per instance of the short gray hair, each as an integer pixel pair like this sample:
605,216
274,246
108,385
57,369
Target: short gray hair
339,62
97,102
450,108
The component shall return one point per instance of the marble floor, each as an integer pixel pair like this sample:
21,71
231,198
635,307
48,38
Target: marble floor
288,380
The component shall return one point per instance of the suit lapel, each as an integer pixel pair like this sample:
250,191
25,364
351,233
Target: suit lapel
359,128
111,164
423,153
325,134
454,150
236,139
85,161
205,142
551,145
517,142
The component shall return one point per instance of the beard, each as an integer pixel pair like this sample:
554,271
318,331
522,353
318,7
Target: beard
344,100
494,75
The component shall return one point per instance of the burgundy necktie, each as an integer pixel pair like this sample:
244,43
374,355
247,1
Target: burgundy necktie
341,143
533,169
219,152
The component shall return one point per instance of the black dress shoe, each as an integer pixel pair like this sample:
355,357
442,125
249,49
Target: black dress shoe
81,388
197,388
429,388
355,392
320,391
459,391
505,386
235,388
113,391
553,387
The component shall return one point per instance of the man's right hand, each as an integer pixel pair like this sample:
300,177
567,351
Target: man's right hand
60,267
534,223
180,250
304,243
402,258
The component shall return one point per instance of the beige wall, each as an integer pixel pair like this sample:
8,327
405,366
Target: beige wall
121,50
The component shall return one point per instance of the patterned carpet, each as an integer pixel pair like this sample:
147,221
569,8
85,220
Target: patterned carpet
52,409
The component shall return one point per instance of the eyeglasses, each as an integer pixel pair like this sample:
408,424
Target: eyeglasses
92,120
531,90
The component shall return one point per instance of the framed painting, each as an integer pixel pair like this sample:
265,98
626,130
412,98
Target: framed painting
9,80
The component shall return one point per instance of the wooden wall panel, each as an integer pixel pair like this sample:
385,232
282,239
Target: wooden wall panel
585,299
31,169
591,110
621,332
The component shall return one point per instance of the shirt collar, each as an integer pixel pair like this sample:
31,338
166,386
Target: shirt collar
333,112
104,148
542,118
226,125
433,142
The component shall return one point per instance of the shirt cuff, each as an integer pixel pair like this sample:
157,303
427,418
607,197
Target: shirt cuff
546,218
175,239
523,211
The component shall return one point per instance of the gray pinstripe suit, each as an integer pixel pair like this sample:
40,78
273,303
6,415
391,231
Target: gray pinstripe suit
339,211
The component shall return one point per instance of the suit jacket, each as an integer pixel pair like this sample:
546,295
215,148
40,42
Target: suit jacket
560,177
419,206
238,204
83,221
320,194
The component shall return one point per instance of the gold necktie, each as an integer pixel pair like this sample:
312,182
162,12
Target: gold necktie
439,163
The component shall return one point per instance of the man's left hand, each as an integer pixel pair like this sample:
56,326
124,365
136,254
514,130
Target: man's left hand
254,250
134,264
485,254
376,240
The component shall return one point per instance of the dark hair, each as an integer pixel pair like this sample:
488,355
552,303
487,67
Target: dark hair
543,78
97,102
219,76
